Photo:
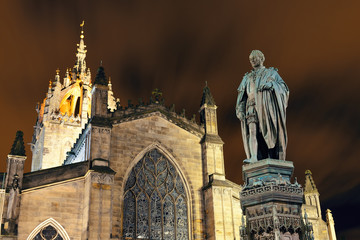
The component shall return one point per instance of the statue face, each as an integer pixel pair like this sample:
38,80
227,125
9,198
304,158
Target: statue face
255,61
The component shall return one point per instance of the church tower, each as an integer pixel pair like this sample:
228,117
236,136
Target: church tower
63,113
312,208
212,145
220,216
311,195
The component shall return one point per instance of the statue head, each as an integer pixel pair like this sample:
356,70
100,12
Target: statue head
256,58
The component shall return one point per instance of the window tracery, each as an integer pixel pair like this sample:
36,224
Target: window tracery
49,229
155,203
48,233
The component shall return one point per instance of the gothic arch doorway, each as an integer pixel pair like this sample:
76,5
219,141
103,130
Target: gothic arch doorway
155,205
50,229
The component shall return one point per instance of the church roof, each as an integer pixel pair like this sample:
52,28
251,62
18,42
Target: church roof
158,109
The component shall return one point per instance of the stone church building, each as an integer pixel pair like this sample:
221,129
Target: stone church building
101,170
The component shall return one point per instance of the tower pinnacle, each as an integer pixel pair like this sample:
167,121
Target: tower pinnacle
80,65
310,186
18,147
82,29
100,77
207,97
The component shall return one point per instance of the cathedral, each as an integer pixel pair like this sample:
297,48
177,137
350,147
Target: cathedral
101,170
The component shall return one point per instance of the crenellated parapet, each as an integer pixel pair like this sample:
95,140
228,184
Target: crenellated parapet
65,119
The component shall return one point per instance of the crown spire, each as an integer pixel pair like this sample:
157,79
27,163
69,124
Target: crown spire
82,29
80,65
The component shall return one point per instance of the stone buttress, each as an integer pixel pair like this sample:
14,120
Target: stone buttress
220,214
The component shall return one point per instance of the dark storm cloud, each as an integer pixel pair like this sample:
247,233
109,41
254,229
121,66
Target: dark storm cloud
345,209
177,46
328,107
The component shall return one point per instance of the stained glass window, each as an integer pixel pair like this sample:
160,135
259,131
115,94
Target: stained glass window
155,203
48,233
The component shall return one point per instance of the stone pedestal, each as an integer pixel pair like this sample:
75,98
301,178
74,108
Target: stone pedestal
271,203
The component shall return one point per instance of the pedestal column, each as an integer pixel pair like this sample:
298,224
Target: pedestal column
271,203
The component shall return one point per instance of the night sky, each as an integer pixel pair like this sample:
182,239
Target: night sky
178,45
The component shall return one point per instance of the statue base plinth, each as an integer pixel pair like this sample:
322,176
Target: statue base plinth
267,169
270,200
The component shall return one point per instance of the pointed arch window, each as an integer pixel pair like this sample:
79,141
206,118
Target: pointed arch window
48,233
50,229
155,202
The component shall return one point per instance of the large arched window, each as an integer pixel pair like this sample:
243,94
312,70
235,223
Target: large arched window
155,203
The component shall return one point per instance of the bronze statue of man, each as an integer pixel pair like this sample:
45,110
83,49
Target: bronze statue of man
261,107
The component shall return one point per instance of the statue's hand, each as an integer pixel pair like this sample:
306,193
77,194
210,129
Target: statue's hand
266,86
240,110
240,115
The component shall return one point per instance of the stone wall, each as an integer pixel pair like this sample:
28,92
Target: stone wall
236,209
319,225
222,209
130,140
64,202
56,138
88,208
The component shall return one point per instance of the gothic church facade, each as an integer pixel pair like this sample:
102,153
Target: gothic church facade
104,171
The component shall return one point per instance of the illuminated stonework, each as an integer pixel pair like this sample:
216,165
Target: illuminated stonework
71,103
64,112
138,172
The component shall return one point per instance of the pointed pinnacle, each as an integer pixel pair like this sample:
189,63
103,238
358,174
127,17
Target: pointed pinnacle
18,147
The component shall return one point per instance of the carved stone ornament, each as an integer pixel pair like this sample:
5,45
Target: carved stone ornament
101,130
102,178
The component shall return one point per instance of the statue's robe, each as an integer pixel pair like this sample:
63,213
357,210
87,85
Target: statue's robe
270,107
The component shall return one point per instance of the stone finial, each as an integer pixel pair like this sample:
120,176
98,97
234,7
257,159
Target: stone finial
110,85
101,77
80,65
18,148
157,96
329,217
207,97
182,114
331,225
82,29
